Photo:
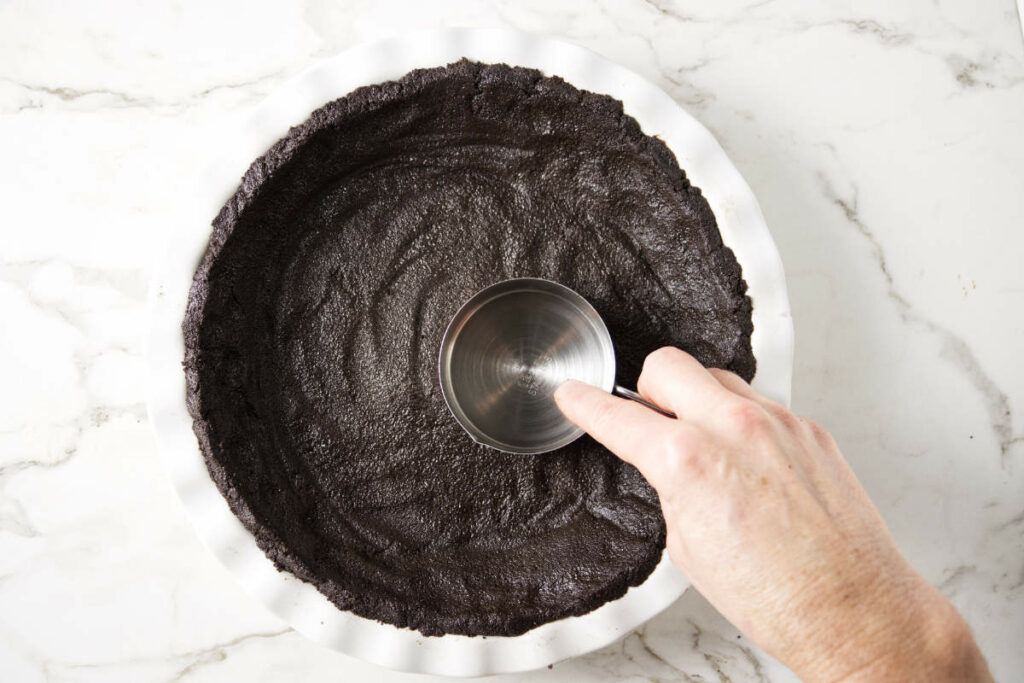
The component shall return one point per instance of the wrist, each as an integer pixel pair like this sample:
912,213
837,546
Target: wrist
938,646
948,649
915,634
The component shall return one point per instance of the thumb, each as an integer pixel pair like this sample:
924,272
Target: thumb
623,426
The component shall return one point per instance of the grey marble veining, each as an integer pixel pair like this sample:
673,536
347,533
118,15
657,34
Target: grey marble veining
883,141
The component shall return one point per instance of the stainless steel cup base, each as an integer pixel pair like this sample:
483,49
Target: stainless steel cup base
506,351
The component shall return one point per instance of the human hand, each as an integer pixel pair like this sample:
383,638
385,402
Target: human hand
769,523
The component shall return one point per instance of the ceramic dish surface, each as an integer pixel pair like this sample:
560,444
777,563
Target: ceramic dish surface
742,227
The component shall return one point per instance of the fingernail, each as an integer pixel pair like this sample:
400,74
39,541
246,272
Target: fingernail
565,388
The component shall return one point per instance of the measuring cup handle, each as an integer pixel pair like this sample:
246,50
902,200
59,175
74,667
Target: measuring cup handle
633,396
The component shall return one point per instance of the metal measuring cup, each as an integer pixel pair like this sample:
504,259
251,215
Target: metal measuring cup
506,351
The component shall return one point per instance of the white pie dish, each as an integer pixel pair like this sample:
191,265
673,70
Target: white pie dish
300,604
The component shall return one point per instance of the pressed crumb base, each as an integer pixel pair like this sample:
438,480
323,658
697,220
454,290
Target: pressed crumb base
315,317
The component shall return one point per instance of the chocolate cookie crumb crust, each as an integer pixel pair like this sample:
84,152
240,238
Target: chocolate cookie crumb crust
315,316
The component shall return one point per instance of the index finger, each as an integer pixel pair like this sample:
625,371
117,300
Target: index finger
623,426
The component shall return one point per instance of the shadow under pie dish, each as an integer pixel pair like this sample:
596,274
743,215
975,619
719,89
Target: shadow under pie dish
298,602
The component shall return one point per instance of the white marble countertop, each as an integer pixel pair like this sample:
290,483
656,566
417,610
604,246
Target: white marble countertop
883,140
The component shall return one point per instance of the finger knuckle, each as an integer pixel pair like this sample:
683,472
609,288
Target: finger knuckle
747,418
683,462
783,416
605,413
682,454
820,434
657,359
682,441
